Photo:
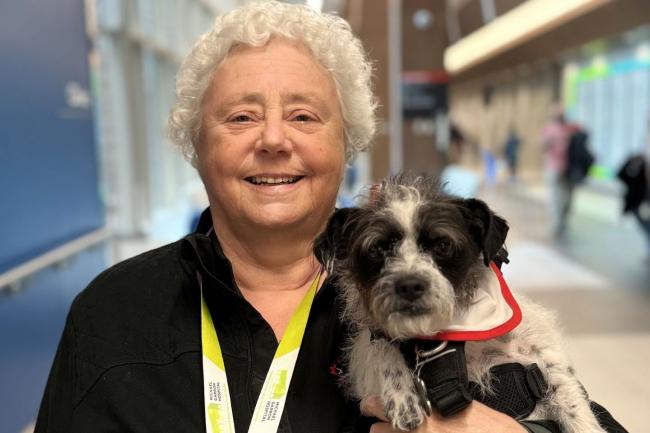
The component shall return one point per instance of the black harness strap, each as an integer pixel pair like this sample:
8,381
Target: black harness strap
444,374
515,389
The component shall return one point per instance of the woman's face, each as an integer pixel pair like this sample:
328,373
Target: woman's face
271,147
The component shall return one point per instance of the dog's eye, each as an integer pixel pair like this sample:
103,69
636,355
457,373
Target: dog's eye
442,247
379,249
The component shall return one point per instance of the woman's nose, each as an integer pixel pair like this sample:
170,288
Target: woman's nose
274,139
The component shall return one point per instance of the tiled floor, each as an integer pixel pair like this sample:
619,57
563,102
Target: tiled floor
597,278
613,367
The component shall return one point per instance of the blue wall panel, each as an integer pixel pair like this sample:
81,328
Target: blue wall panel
48,165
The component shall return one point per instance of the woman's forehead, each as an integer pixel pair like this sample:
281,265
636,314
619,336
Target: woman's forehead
280,69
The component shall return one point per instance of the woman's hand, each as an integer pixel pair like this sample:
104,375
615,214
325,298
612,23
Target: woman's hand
476,418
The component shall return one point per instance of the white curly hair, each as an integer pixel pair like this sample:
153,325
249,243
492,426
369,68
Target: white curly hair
329,39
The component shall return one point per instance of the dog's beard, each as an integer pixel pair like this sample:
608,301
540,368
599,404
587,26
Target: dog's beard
400,319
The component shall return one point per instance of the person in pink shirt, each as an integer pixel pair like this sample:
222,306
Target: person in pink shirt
555,141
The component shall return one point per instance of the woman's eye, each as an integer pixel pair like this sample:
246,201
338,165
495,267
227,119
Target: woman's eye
302,117
240,118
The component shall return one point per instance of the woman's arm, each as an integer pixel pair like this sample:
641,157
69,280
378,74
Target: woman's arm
476,418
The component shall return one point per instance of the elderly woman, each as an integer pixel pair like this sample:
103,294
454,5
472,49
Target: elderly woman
271,103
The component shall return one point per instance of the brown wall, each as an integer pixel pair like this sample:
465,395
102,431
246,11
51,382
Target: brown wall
369,19
422,50
470,17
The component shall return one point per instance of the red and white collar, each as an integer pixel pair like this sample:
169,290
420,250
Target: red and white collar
494,312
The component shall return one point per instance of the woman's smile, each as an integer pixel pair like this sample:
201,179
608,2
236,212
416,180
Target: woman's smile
275,185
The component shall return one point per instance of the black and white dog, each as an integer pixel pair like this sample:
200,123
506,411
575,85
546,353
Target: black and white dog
414,261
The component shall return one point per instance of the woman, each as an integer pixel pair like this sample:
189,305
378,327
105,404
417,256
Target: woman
270,105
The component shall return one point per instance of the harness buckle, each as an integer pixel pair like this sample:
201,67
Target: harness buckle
423,357
440,377
421,389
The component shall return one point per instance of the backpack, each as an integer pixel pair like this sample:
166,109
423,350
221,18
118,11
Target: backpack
579,158
633,175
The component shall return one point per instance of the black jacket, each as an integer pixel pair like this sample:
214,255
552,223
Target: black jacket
130,356
633,174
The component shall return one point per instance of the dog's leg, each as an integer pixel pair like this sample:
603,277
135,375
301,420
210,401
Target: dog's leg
569,403
567,400
378,368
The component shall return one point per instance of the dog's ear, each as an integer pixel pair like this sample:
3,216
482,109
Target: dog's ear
333,243
489,230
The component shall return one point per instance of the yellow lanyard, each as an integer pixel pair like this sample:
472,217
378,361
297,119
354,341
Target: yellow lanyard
272,398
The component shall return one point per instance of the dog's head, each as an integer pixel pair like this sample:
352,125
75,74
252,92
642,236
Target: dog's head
412,256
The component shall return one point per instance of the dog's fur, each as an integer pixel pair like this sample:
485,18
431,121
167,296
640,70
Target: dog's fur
410,259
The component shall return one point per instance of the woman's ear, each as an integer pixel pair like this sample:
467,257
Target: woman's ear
489,229
333,243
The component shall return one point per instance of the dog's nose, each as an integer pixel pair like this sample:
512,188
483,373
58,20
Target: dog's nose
410,288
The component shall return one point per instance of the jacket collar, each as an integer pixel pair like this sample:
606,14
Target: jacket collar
209,259
207,252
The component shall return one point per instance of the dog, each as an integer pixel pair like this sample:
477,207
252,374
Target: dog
409,262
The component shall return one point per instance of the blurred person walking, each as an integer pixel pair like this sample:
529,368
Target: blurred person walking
635,175
579,158
511,152
457,143
568,161
555,142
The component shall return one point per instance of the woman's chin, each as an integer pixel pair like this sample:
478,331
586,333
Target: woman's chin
280,216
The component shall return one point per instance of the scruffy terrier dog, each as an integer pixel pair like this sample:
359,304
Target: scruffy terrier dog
409,263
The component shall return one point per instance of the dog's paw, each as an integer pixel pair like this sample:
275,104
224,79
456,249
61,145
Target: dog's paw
404,412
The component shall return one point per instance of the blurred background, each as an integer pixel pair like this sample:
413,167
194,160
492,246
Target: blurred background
480,92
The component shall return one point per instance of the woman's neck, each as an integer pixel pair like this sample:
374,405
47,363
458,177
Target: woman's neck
263,264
